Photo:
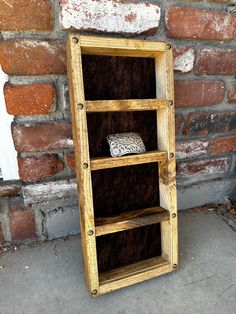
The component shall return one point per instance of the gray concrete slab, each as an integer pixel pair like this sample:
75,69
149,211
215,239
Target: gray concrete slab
48,278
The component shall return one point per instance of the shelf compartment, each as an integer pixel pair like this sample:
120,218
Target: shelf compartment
133,273
113,162
125,105
130,220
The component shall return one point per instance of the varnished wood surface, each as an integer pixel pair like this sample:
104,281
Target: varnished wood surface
130,220
128,160
134,273
81,147
125,105
107,76
120,47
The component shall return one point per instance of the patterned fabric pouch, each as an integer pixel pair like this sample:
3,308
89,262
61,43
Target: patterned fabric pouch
125,143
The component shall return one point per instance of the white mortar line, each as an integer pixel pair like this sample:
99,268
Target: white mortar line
8,154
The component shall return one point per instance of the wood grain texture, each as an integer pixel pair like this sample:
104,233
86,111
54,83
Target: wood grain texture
80,136
147,245
134,273
113,162
126,247
130,220
119,190
125,105
120,47
118,78
166,142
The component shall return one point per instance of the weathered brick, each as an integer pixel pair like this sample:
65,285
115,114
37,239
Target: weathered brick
70,161
216,62
2,239
209,122
60,189
232,94
33,57
45,137
22,224
25,15
110,16
184,58
224,144
198,93
30,99
203,167
38,168
10,188
200,24
192,148
179,121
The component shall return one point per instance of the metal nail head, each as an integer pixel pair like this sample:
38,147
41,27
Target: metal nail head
75,40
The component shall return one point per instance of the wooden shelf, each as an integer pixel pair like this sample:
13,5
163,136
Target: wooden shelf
99,163
130,220
133,273
120,47
164,121
125,105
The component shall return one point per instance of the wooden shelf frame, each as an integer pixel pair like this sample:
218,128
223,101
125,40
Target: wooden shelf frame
125,105
99,163
164,106
130,220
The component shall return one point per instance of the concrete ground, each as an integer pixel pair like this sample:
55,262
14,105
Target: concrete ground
48,278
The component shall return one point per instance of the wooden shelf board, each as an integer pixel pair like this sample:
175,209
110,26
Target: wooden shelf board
130,220
133,273
125,105
120,47
99,163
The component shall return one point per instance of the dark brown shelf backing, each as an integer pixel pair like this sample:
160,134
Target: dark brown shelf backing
118,77
130,220
127,247
123,189
104,123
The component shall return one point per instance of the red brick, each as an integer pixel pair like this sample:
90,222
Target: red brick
70,161
200,24
33,57
38,168
2,239
192,148
22,224
179,121
216,62
209,122
45,137
30,99
232,94
25,15
222,145
110,16
184,58
198,93
203,167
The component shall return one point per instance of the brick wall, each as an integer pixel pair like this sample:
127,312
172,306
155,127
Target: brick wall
32,51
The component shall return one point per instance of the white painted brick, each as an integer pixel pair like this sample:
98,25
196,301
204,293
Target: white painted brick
110,16
55,190
184,61
190,149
